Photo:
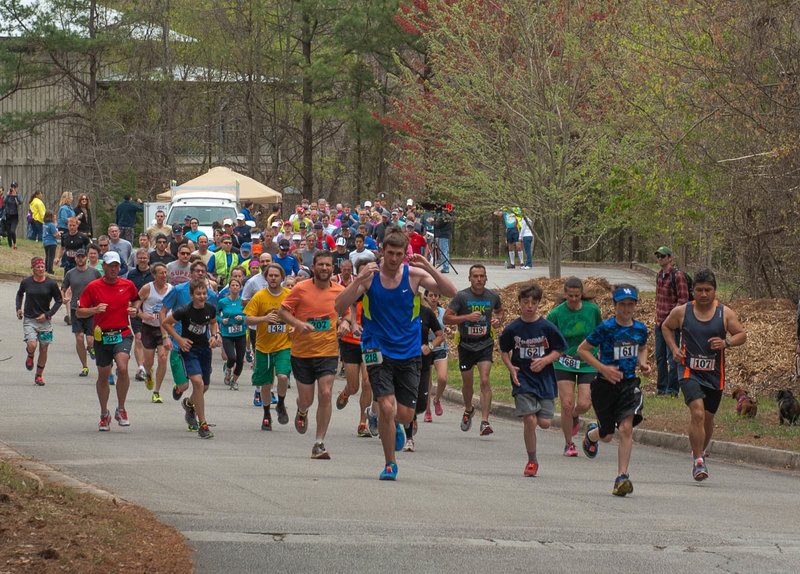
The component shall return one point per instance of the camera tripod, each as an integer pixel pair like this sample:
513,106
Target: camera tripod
437,254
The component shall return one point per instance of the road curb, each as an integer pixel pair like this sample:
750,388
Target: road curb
730,451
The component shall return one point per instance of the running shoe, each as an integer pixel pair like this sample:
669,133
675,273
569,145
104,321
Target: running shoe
157,398
576,425
84,372
372,422
301,422
234,385
140,374
409,446
570,450
176,394
68,319
428,417
531,469
188,414
248,355
319,452
699,470
38,381
389,471
510,266
111,379
525,267
273,400
29,362
486,428
466,419
148,381
121,416
203,431
622,485
283,416
266,424
341,400
105,423
257,399
399,437
363,431
91,351
437,408
590,446
227,379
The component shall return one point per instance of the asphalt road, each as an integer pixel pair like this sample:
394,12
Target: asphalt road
250,500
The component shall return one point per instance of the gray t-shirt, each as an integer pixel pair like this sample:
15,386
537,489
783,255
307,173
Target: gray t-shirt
476,335
177,273
123,247
355,257
78,280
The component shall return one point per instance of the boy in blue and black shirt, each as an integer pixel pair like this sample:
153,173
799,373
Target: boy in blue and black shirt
616,397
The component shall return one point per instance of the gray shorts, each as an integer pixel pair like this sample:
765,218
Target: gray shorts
530,404
85,325
33,330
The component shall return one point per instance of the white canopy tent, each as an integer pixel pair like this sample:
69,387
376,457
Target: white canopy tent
225,180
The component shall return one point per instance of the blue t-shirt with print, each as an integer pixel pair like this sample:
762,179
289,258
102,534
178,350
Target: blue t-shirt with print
619,346
525,341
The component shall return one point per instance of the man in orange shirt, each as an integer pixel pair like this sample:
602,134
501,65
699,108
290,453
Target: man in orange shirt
309,308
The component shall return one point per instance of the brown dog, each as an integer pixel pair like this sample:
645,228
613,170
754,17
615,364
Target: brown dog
746,406
788,407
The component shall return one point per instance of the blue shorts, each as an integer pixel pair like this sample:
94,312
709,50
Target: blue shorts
512,235
198,362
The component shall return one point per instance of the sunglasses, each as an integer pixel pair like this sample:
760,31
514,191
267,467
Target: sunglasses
661,256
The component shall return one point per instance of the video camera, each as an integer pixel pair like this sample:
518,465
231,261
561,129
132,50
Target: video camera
436,207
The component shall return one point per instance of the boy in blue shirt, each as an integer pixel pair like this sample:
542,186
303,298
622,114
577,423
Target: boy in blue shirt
529,346
616,397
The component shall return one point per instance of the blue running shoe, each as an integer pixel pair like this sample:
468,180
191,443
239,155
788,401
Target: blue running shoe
389,471
273,400
111,379
257,399
622,485
372,423
590,446
399,438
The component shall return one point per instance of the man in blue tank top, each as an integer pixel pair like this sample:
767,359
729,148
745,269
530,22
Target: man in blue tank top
390,340
707,329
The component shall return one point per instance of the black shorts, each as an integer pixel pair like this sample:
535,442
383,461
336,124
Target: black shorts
468,359
136,325
693,390
398,377
350,353
104,354
308,369
578,378
613,403
151,337
85,325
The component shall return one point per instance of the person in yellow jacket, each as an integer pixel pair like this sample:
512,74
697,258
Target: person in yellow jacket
37,212
223,261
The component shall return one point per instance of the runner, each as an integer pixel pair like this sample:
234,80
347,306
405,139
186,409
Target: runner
477,311
199,325
705,324
152,297
439,357
140,276
272,342
109,300
75,281
529,346
617,400
37,329
70,243
309,308
390,339
576,318
230,315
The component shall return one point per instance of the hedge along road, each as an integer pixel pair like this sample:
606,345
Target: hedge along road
250,500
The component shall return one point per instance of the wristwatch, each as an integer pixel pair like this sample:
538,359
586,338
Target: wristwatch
727,342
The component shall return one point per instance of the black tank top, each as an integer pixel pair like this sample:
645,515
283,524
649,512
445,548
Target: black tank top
701,362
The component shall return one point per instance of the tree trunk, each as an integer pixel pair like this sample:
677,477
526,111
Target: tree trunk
308,94
554,249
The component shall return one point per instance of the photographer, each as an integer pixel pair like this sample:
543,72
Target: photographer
442,233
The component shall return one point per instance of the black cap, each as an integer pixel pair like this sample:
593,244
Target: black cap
284,244
14,184
189,217
177,228
318,226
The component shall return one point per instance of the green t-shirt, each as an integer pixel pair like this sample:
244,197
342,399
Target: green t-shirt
575,326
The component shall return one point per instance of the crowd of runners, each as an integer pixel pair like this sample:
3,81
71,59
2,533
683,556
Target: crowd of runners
372,311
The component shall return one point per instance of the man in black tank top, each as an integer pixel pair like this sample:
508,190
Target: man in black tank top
708,328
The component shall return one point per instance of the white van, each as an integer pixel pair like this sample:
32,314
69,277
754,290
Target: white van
206,206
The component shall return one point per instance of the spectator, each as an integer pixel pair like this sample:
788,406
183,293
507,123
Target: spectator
37,214
158,227
11,214
178,239
274,216
242,230
126,216
50,235
144,243
83,212
442,233
65,211
672,290
161,254
194,232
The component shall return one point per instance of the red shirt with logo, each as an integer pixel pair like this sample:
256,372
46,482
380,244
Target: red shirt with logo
117,295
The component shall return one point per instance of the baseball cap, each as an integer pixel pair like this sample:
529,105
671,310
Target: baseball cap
284,244
239,216
341,241
257,249
395,212
188,217
177,228
276,224
111,257
246,247
14,184
367,204
318,225
300,209
143,234
297,237
625,293
663,250
80,251
227,221
410,202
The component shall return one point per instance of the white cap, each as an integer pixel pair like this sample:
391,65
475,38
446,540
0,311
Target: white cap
367,204
341,241
240,216
111,257
297,237
276,223
410,202
227,221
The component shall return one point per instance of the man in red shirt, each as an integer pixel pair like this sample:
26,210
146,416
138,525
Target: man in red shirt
324,241
110,300
417,242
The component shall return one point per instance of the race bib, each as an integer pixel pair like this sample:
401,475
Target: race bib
702,363
112,338
625,351
570,362
235,328
477,330
276,327
321,323
531,352
46,337
372,357
197,329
